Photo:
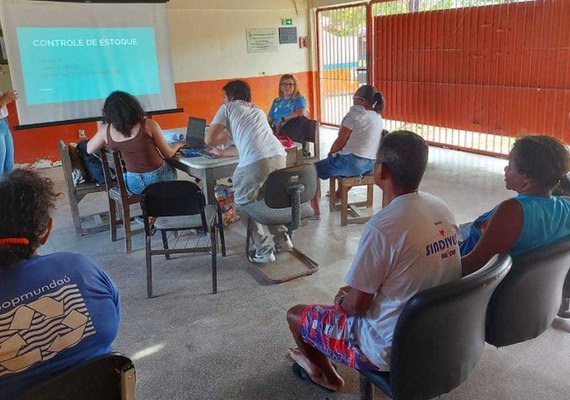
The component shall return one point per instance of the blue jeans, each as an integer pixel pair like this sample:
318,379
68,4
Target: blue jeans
6,149
343,165
137,181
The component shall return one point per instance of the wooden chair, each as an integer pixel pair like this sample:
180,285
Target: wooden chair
110,377
345,184
113,169
77,192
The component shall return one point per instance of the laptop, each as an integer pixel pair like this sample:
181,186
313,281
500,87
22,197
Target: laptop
195,134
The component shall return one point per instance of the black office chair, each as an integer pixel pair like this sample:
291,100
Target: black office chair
564,311
109,377
178,206
526,302
439,337
287,197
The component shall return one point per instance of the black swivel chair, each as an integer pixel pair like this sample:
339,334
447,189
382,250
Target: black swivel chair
287,197
178,206
527,300
564,311
109,377
439,337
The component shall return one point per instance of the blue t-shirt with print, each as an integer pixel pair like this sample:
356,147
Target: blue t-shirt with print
56,311
282,107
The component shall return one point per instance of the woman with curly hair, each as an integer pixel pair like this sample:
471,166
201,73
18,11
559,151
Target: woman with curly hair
56,310
139,139
534,218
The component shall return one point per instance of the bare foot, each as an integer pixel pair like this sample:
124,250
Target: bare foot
315,374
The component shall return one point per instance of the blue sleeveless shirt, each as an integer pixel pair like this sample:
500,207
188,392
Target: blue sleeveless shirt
545,220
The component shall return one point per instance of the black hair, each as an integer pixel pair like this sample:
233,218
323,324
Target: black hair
26,201
237,90
405,154
372,96
544,159
123,111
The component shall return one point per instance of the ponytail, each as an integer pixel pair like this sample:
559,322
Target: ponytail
378,104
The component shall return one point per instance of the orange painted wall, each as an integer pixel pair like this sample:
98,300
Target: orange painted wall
496,69
200,99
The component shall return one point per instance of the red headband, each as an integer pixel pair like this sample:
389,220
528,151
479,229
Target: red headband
18,241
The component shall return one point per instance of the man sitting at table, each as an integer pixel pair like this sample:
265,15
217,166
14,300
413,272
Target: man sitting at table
260,153
409,246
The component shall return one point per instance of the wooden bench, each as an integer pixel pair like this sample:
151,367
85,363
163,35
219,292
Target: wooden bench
77,192
344,185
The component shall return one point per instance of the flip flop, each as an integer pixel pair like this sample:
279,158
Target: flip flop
300,372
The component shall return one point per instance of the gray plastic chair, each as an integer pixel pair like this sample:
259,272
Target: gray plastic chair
287,197
439,337
526,302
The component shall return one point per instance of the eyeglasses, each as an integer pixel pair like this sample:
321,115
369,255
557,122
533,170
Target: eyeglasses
287,84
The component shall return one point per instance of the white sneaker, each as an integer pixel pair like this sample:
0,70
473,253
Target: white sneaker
257,258
283,242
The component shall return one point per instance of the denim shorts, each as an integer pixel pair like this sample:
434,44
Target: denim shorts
343,165
137,181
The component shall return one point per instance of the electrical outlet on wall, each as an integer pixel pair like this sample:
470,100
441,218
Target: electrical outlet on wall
82,134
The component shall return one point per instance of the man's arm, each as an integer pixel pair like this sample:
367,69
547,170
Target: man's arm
353,301
502,232
216,134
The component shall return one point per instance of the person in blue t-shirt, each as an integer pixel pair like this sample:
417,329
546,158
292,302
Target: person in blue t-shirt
534,218
57,310
289,105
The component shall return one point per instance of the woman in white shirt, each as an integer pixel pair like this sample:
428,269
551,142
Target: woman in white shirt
354,150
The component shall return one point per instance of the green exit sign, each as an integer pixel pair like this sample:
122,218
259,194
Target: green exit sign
286,21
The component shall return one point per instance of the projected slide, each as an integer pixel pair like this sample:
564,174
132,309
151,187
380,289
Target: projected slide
77,64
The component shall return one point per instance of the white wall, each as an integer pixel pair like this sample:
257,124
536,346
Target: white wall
208,38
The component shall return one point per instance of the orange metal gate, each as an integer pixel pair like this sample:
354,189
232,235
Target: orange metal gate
474,77
342,56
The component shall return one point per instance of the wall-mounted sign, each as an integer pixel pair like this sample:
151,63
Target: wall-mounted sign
286,21
288,35
262,40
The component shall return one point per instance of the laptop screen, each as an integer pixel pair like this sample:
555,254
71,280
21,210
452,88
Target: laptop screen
196,130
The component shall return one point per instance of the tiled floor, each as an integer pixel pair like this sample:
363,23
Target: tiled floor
190,344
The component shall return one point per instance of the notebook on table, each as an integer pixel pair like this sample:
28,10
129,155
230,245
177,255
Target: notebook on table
195,135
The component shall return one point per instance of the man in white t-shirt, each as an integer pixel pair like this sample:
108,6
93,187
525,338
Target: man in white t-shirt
260,153
409,246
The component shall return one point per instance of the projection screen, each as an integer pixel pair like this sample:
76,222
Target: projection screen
65,58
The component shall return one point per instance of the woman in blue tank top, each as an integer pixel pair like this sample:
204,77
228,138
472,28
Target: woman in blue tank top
534,218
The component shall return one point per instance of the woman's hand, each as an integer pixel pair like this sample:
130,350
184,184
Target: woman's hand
8,97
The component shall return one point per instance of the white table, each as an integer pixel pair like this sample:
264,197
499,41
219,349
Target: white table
209,170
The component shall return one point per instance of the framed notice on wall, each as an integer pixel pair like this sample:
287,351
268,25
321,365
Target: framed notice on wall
263,40
288,35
